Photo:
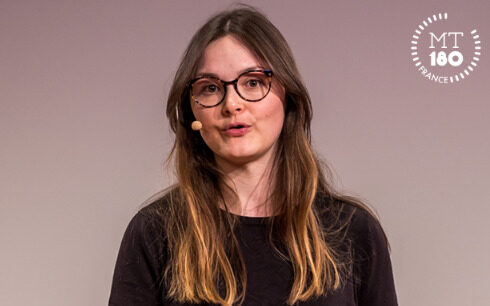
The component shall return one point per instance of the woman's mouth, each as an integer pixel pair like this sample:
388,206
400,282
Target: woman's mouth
237,129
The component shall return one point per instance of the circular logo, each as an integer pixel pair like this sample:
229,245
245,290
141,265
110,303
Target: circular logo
445,52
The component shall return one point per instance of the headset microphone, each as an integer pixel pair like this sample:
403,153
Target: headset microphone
196,125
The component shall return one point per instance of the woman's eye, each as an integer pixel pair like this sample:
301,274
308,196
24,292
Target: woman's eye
211,88
253,83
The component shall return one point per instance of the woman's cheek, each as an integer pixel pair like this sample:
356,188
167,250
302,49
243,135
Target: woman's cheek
210,138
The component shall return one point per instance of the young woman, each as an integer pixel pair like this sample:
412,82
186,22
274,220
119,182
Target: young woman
252,220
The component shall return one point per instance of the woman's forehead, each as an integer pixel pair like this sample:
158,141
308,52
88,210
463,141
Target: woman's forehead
227,57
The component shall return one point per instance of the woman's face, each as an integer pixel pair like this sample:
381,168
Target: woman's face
226,58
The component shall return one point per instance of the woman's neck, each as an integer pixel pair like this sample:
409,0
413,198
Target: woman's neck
251,184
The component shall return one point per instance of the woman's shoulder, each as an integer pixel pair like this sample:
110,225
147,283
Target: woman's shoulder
366,244
354,219
141,258
156,208
148,223
158,203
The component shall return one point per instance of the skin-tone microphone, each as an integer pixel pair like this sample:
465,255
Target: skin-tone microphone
196,125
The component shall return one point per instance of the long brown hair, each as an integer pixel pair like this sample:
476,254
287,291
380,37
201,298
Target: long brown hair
202,268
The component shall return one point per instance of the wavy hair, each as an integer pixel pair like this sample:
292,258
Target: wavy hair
202,268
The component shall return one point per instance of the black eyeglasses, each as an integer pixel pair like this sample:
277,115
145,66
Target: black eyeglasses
251,86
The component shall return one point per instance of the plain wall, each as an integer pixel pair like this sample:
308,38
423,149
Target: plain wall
83,136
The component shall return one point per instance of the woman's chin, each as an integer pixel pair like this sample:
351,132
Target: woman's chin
237,158
241,158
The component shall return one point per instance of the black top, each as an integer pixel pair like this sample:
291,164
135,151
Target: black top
139,266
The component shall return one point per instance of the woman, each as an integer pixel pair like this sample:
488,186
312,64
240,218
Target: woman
252,220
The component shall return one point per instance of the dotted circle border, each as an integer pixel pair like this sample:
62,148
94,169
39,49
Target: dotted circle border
443,16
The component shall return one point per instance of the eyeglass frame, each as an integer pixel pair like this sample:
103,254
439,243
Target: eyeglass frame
225,84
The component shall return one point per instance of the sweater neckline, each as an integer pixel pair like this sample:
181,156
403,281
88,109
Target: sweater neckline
250,219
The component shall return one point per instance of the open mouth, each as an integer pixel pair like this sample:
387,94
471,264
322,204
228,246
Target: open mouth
237,129
236,126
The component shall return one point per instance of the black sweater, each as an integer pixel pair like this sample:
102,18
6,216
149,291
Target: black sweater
138,273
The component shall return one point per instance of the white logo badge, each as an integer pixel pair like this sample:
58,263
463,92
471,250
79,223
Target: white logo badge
444,52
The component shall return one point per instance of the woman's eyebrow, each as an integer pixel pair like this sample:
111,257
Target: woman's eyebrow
210,74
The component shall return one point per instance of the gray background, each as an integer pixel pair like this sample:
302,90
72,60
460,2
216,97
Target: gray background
83,136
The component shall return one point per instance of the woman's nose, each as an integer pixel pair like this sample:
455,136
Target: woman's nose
232,103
